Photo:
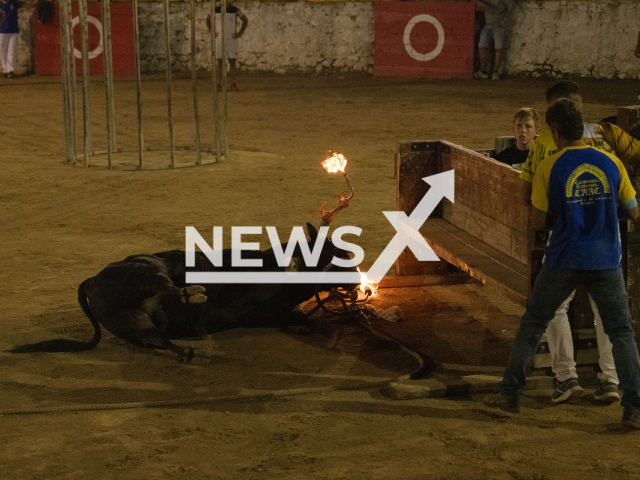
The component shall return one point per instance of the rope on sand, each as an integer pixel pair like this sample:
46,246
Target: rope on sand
230,398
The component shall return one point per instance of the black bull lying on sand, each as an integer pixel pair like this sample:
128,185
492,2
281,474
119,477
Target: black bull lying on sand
144,299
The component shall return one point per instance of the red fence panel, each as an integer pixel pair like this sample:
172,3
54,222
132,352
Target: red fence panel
47,48
424,39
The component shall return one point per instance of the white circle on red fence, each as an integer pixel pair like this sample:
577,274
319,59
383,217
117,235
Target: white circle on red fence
413,53
96,23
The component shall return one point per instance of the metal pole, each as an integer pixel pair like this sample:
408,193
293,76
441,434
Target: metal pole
64,63
71,76
225,61
108,78
214,73
168,53
194,81
136,29
86,85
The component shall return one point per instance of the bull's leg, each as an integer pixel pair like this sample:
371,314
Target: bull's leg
138,328
176,312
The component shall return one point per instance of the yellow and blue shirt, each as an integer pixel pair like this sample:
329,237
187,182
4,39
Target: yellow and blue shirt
544,146
582,187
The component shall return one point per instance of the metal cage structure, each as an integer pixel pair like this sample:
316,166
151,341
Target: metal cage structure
217,151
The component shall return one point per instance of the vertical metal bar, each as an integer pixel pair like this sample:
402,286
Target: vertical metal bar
194,81
108,78
136,30
64,64
225,61
86,84
214,73
72,77
168,53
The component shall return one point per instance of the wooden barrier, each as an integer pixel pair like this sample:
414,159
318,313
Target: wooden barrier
486,232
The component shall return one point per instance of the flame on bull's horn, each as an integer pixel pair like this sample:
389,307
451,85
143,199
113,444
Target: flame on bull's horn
366,284
334,164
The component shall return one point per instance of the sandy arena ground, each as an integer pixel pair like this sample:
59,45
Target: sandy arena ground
61,224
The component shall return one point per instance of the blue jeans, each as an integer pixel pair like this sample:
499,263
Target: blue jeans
551,288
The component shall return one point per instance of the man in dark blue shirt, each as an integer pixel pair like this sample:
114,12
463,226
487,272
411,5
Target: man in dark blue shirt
9,33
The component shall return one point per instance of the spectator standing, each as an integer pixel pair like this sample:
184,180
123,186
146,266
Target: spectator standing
581,187
559,330
9,33
233,14
497,15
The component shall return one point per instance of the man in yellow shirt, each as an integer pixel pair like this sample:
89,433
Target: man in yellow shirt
558,332
579,190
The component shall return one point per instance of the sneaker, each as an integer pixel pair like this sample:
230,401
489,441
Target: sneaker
481,74
607,392
496,400
569,389
631,422
495,76
10,74
234,87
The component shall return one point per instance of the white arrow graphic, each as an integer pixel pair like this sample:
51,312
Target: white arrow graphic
408,228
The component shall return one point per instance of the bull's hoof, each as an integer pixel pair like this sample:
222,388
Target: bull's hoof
197,298
193,294
193,289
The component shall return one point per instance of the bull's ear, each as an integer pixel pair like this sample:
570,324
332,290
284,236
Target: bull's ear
313,233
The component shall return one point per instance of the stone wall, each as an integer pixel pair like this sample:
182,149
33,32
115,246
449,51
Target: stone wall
586,38
578,37
281,37
26,42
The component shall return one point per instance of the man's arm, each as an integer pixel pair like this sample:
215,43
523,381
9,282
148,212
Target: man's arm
505,20
481,4
243,27
633,213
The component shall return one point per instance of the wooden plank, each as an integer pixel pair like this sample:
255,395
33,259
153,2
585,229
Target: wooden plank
397,281
478,259
504,239
481,170
493,204
416,160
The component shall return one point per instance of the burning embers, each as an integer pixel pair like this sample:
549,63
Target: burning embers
366,285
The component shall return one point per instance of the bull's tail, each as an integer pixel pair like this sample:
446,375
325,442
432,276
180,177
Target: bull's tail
63,344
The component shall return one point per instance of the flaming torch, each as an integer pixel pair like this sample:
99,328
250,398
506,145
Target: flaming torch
334,164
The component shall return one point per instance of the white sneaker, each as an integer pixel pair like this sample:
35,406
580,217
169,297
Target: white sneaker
495,76
481,74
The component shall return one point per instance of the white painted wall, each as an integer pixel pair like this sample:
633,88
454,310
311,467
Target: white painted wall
281,37
586,38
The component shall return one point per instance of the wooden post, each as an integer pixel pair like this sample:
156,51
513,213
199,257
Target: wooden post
416,160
